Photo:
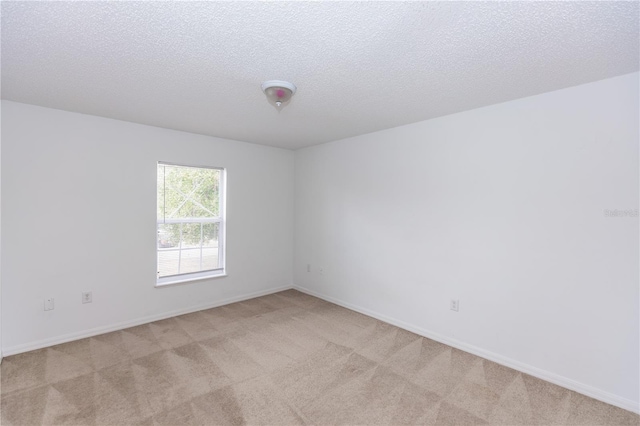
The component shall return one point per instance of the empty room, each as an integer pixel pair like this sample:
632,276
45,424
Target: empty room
320,213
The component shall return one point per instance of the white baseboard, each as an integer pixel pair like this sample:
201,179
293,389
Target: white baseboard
548,376
13,350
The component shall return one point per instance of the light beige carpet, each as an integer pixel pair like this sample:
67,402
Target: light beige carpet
282,359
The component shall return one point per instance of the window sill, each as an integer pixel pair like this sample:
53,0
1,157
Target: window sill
171,281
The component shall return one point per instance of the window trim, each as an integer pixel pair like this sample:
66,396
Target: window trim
222,235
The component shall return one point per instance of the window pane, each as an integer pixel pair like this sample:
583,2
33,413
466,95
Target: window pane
190,260
210,253
210,258
160,194
168,262
191,235
168,235
210,234
179,248
188,192
168,241
188,201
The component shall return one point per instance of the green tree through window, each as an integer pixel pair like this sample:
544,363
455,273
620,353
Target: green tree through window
189,219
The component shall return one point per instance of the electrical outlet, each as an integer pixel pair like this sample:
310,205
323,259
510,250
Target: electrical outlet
308,267
454,305
48,304
87,297
321,271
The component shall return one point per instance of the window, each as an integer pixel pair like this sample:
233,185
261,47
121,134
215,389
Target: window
191,223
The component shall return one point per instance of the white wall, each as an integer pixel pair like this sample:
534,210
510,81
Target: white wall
79,212
1,353
503,208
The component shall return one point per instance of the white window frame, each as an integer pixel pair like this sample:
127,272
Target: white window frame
221,271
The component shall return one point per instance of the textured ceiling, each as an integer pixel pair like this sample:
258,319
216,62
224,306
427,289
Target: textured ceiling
359,66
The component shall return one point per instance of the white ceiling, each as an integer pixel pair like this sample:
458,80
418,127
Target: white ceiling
359,66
